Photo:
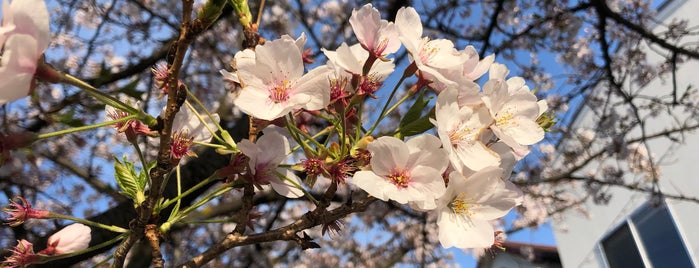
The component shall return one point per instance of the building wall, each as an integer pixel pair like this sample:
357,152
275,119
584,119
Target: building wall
577,237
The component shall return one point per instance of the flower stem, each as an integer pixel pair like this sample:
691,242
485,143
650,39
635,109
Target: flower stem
112,228
107,99
201,119
83,128
384,112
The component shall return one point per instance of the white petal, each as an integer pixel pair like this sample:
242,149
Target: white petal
315,84
408,23
72,238
476,156
388,153
372,184
456,231
285,187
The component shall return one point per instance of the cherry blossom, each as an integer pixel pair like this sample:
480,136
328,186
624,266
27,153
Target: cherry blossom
460,128
188,128
348,61
24,36
433,58
72,238
266,155
405,171
275,84
470,203
514,108
377,36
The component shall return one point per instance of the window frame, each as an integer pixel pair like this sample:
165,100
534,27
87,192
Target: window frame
629,220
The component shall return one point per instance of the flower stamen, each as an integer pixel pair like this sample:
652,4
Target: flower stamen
400,177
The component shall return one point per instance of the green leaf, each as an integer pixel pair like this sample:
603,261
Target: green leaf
126,178
418,126
143,176
415,111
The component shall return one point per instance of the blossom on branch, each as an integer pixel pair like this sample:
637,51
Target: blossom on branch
24,37
378,37
274,84
433,58
265,157
405,171
348,62
188,128
72,238
460,128
470,203
514,109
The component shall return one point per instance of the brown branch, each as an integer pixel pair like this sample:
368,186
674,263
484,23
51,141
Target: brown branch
177,95
287,233
153,237
563,176
491,27
604,10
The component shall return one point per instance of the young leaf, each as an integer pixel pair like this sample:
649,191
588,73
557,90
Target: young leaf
126,177
415,111
418,126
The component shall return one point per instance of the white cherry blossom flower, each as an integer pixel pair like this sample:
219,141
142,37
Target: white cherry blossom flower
187,128
465,75
468,205
459,128
351,59
514,108
348,61
275,84
433,58
72,238
265,156
405,171
24,36
377,36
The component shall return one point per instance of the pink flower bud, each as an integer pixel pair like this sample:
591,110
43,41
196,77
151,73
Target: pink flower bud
72,238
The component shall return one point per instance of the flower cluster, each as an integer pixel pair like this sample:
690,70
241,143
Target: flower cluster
70,239
460,174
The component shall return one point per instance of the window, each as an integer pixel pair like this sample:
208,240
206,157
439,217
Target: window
649,237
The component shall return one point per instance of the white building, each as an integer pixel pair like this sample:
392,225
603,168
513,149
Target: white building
636,229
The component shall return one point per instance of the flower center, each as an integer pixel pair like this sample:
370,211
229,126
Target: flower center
180,143
380,47
279,91
337,88
459,134
504,119
463,205
119,114
369,85
399,177
427,52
